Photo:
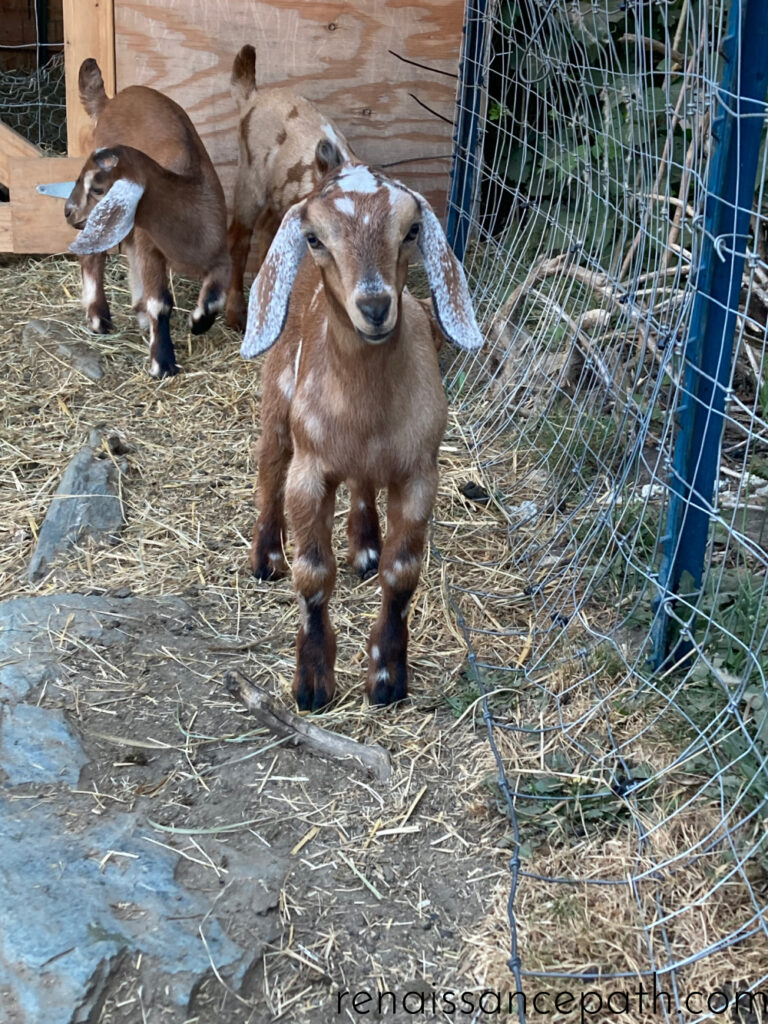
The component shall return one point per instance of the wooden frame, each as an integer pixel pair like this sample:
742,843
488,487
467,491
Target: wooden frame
383,70
31,222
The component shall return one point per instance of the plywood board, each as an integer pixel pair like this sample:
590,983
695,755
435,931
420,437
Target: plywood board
88,32
37,222
336,54
6,244
13,145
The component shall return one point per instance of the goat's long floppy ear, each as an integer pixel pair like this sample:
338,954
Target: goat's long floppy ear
271,290
111,218
450,294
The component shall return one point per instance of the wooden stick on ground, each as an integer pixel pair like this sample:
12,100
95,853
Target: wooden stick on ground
303,733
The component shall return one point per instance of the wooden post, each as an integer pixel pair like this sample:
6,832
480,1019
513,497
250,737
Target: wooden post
89,31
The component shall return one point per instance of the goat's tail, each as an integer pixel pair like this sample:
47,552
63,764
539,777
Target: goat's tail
93,95
244,74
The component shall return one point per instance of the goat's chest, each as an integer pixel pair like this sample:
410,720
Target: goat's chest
377,434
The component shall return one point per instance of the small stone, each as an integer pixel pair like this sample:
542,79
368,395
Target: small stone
87,503
57,340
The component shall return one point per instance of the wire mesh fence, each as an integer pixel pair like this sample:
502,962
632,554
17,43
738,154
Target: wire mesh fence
33,103
624,685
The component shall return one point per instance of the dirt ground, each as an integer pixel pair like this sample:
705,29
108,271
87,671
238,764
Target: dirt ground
381,886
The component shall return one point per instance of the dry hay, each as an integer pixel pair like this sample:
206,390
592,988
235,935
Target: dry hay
394,888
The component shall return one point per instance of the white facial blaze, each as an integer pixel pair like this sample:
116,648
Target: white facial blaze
346,206
357,179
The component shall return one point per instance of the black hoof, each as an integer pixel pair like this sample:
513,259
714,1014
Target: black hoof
202,323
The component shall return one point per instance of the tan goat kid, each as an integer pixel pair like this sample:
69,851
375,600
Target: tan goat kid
286,148
352,393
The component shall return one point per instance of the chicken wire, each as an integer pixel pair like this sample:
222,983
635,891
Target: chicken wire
624,703
33,103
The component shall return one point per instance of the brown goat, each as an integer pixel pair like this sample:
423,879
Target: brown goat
150,184
286,147
352,393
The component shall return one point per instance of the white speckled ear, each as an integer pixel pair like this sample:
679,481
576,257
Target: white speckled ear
111,219
450,294
271,290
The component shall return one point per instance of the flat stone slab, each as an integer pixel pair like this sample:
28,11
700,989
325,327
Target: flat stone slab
38,746
85,895
55,339
73,904
86,504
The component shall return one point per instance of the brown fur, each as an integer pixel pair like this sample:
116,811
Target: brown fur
142,136
340,407
278,165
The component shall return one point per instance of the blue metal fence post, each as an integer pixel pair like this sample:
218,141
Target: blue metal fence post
736,135
467,135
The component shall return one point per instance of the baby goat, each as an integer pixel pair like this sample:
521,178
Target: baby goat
150,184
286,147
352,393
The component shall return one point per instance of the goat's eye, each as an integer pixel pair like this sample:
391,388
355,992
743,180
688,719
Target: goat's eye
97,191
314,242
413,231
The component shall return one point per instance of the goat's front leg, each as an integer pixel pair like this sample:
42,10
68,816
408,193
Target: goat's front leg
94,300
158,303
408,510
363,533
267,559
213,295
310,499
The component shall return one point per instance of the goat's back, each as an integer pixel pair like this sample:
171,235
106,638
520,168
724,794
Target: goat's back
279,133
145,119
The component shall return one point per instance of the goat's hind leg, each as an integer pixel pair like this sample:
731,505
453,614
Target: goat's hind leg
212,297
363,532
94,300
247,210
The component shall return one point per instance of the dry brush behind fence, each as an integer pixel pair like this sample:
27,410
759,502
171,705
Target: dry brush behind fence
609,194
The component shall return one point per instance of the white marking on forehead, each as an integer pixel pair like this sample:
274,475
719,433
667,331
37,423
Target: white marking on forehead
345,205
87,180
357,179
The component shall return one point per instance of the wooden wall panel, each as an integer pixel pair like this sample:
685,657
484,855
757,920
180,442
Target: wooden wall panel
13,145
37,222
336,54
88,32
6,236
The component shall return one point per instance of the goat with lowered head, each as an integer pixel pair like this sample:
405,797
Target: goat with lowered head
150,185
286,147
352,392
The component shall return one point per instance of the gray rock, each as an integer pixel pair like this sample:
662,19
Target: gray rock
56,339
74,902
80,896
37,745
87,503
28,657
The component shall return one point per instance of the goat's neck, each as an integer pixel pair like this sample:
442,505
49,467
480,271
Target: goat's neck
165,192
347,350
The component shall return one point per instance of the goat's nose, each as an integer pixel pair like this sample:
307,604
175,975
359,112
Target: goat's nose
375,308
69,206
